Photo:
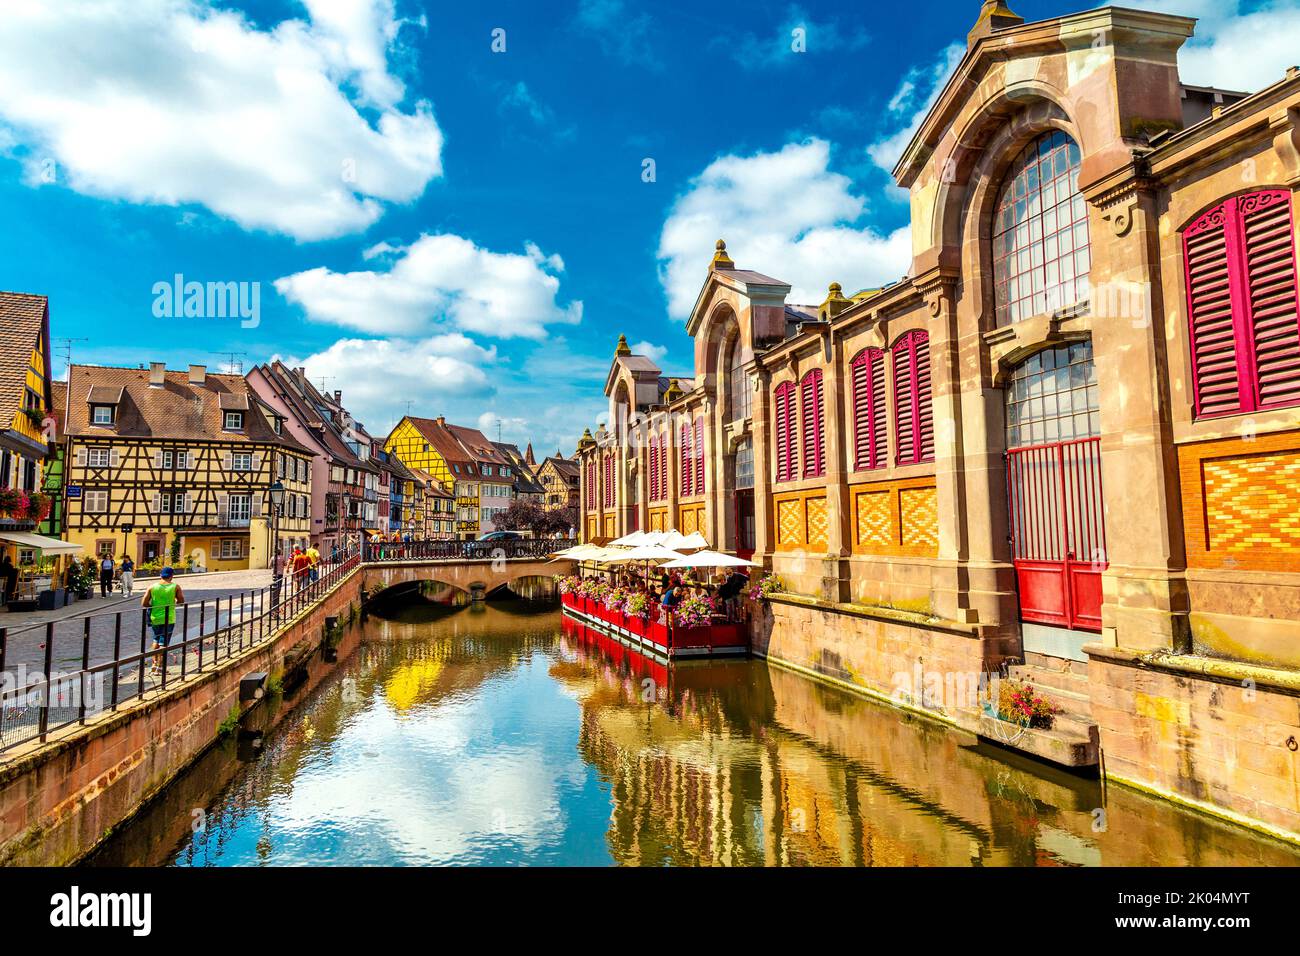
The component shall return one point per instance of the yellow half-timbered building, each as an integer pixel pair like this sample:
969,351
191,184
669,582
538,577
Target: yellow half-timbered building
179,467
25,391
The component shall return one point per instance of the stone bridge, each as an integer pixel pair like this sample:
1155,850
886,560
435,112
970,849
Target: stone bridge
476,577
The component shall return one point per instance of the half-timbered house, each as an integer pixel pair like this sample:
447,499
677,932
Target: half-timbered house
177,468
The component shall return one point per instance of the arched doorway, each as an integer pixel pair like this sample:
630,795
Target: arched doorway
1054,494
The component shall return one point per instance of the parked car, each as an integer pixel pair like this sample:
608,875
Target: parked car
487,543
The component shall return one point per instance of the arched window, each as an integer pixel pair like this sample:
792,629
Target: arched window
1040,232
814,429
742,396
913,410
686,470
869,442
785,414
1242,305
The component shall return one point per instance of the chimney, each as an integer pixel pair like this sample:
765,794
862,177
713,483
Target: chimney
157,374
441,420
338,397
198,375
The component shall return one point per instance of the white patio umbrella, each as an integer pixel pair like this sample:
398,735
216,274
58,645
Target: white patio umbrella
651,537
647,552
693,540
710,559
629,540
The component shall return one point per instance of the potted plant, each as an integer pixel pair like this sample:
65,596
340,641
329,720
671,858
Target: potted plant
766,586
1020,704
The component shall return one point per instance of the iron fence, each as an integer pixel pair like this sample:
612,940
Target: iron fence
55,675
388,551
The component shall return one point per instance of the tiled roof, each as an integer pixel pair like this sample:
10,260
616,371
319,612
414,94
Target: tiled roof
22,317
176,409
305,403
478,446
441,439
565,466
58,405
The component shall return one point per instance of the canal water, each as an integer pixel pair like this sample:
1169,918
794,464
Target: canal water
504,734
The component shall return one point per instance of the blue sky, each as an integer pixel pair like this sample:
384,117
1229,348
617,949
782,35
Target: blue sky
468,229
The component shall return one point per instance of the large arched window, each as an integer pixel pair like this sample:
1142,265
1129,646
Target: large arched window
1040,232
785,416
741,395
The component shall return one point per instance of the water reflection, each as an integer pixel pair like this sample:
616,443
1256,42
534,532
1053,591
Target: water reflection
489,736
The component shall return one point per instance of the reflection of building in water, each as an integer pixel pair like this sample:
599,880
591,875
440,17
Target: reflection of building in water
742,764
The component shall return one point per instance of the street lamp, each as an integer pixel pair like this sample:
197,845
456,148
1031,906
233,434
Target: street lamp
276,492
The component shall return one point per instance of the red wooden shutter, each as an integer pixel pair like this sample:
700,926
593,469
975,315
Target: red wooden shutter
869,409
913,400
814,452
609,481
785,432
1216,375
1269,253
654,468
924,396
685,458
699,456
665,443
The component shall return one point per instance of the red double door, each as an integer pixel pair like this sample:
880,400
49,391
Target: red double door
1058,532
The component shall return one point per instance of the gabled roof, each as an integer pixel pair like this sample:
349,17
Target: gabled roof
311,410
567,467
440,438
22,318
481,450
176,409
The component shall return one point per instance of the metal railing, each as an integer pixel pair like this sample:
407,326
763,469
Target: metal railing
37,701
55,675
463,550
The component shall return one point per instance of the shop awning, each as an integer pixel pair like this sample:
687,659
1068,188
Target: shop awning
26,539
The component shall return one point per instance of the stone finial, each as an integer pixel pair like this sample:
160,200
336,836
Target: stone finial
586,441
720,258
835,303
994,15
673,392
622,348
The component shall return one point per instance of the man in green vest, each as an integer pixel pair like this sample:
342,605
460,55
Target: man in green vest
161,600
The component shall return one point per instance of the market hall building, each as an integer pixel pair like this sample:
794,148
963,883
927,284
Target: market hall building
1067,441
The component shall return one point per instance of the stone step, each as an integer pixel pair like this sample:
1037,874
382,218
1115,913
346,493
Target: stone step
1064,685
1062,664
1074,723
1060,745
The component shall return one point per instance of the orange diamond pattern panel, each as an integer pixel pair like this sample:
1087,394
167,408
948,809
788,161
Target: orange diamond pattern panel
1253,503
789,522
817,520
919,513
875,521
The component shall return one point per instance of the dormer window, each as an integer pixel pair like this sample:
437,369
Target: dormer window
102,415
234,421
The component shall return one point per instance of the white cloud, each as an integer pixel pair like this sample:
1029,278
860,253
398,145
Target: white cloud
777,49
1232,49
378,375
651,351
439,279
513,428
172,102
916,93
783,213
619,32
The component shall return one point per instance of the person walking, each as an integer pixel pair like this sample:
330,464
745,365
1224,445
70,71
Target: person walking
300,567
8,578
106,568
127,568
313,570
277,576
161,601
